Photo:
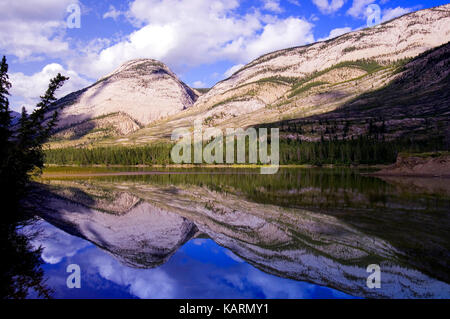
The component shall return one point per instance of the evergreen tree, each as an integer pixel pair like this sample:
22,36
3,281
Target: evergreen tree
5,113
20,153
21,147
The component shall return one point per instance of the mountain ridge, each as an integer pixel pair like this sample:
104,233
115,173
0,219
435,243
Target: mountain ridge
301,82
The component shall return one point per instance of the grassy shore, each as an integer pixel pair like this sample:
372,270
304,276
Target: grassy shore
74,171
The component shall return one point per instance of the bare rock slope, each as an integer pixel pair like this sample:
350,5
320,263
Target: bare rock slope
434,164
316,79
137,93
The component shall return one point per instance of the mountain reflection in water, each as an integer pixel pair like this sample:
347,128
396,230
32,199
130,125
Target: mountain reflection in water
199,269
289,235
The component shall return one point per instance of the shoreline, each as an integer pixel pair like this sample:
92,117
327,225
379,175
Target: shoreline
377,166
381,173
430,165
415,175
128,173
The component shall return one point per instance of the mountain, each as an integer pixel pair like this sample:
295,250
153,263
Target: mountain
137,93
342,80
268,80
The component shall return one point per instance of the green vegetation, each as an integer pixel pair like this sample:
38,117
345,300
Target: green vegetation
146,66
224,102
425,155
362,150
400,65
203,90
21,157
305,88
370,66
349,49
279,80
21,148
115,155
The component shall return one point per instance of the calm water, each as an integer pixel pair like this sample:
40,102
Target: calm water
302,233
199,269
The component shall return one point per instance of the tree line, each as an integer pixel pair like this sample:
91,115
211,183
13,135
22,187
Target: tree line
355,151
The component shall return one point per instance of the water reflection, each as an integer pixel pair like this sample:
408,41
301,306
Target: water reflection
199,269
20,269
317,230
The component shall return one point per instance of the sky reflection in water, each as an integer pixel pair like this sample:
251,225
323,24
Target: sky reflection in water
199,269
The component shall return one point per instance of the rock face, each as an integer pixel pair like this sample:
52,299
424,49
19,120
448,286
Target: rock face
413,103
145,237
411,165
142,90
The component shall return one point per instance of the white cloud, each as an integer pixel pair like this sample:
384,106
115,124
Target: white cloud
186,33
56,244
358,8
313,18
233,256
327,7
336,32
112,13
199,84
295,2
199,241
233,69
392,13
29,87
281,34
272,5
140,282
30,27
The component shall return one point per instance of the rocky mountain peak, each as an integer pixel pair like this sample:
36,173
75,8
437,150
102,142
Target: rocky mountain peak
140,67
137,93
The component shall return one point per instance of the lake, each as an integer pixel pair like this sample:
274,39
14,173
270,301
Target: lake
234,233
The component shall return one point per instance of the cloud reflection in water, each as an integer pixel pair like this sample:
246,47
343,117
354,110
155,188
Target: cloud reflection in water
199,269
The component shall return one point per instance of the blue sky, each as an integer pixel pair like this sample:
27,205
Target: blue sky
202,41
